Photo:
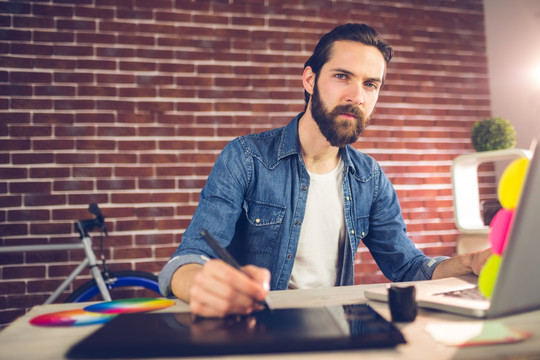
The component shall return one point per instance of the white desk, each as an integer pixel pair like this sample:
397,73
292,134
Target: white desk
23,341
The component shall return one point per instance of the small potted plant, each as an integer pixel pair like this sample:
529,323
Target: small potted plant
493,134
489,135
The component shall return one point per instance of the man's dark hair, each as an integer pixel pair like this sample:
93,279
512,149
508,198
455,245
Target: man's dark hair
351,32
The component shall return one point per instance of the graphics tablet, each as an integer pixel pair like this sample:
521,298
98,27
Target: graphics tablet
141,335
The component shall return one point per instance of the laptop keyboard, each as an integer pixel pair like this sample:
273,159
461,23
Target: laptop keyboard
469,294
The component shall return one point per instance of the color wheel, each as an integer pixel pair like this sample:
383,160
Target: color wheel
77,317
100,313
129,306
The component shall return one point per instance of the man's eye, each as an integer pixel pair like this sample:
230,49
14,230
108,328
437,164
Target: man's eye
341,76
372,86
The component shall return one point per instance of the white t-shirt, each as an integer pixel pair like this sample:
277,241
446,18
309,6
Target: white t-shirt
319,255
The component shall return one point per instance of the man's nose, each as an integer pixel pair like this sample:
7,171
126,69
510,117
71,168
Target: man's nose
355,94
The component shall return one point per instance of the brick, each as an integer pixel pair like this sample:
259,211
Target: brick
19,90
130,198
53,36
131,171
49,172
96,64
75,199
10,201
115,105
13,173
15,35
94,12
14,8
52,10
115,184
95,145
171,16
12,287
95,38
117,131
77,77
16,62
137,92
75,131
14,272
15,144
92,172
75,158
176,68
29,131
43,158
70,50
156,184
172,224
156,131
158,158
136,145
175,197
79,24
97,91
30,76
12,230
137,66
117,158
74,185
158,106
30,187
43,200
152,239
93,117
177,145
125,13
116,78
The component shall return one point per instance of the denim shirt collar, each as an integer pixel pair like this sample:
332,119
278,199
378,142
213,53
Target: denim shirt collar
290,145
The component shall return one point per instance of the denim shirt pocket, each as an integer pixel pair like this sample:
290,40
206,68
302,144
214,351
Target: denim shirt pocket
362,227
263,225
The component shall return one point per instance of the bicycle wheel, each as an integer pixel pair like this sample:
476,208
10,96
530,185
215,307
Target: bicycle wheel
122,285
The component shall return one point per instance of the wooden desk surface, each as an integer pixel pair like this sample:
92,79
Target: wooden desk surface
24,341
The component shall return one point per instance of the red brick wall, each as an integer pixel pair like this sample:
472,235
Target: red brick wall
127,103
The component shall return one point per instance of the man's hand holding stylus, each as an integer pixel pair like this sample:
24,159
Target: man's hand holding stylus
218,289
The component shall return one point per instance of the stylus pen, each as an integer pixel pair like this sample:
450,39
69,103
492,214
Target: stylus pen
224,255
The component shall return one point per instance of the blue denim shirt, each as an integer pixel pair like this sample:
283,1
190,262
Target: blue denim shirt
254,202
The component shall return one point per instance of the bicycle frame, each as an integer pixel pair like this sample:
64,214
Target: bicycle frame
90,261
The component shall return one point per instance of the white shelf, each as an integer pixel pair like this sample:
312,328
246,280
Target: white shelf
465,190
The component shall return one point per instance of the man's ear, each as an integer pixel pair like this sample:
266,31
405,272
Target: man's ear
308,79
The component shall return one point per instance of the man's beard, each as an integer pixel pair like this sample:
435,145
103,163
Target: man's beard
338,132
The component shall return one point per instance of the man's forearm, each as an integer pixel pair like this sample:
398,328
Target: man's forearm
182,279
464,264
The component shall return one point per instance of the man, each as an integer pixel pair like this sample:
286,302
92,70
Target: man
293,204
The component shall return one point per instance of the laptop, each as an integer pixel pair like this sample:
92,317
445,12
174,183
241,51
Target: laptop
516,289
167,334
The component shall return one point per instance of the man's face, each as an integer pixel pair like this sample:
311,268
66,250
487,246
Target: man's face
346,90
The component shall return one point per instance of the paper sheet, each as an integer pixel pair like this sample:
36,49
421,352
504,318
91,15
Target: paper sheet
474,333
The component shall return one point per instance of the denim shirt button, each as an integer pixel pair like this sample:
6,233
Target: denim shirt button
257,221
352,232
304,187
289,256
348,198
297,222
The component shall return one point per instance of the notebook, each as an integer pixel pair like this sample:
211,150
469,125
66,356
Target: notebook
139,335
516,289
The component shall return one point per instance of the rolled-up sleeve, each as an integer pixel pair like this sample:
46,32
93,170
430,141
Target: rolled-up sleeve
425,272
166,274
